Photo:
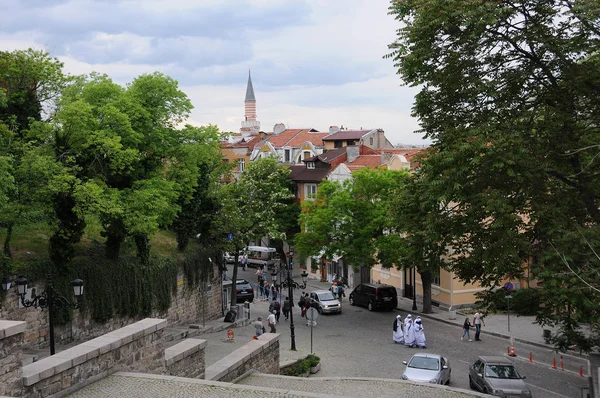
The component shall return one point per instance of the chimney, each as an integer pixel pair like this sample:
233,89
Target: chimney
278,128
333,129
352,152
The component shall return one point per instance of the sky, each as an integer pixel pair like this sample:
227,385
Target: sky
314,63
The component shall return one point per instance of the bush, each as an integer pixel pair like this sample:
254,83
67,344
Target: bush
297,369
525,301
313,359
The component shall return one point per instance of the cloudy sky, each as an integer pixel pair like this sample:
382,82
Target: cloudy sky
314,63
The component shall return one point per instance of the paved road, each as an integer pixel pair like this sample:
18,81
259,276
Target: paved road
358,343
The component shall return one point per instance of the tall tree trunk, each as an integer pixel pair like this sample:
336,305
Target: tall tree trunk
234,277
115,234
142,242
426,278
6,249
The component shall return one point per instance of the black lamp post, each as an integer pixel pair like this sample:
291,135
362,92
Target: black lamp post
49,299
290,284
6,284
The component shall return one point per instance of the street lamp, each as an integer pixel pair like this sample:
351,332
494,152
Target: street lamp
290,284
49,299
6,284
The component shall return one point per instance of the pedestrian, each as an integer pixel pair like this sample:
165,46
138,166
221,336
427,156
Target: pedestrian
271,321
259,273
261,287
334,289
267,291
408,318
466,327
286,308
420,340
244,262
340,291
277,307
259,328
398,335
273,292
409,333
478,321
307,303
301,303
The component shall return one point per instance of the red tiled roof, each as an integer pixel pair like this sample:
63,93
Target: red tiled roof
329,155
303,174
296,137
370,161
346,135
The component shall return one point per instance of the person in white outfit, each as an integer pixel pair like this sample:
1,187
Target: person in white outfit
406,321
398,329
419,334
409,334
271,321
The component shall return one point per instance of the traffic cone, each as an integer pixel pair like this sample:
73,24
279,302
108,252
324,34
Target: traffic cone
581,371
554,363
530,356
512,351
562,366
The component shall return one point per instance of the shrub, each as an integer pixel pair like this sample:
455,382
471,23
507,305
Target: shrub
525,301
313,360
297,369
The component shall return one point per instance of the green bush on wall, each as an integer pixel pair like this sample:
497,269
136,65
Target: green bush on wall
523,302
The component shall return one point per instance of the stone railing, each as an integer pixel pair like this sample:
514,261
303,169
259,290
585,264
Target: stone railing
261,355
186,359
137,347
11,356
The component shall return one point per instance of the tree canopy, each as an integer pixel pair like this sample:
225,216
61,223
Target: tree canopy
508,96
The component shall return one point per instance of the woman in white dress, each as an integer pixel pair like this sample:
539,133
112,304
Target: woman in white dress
406,321
398,329
419,334
409,334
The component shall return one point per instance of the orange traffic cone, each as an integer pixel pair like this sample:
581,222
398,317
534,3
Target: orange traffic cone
512,351
530,356
554,363
581,371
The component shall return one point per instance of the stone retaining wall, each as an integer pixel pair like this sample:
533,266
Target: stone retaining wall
186,307
261,355
186,359
11,356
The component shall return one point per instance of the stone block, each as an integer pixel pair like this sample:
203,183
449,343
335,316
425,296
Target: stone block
10,328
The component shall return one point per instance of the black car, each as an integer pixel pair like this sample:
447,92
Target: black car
375,296
243,291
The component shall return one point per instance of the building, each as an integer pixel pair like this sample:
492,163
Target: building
291,146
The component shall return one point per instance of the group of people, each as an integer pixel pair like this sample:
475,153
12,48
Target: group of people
410,333
478,322
337,288
263,285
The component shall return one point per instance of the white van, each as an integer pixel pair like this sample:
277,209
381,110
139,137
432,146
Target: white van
259,256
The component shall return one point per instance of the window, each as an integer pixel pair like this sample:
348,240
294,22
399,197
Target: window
286,155
435,280
311,191
310,165
337,144
371,141
306,155
350,142
241,164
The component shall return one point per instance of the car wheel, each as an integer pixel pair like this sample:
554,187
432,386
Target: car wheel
320,310
471,384
370,306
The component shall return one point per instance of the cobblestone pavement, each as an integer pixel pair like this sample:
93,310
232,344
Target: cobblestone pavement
132,385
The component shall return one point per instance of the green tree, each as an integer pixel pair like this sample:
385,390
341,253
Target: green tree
508,95
251,206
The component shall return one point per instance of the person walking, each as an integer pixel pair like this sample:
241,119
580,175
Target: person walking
277,308
406,320
398,335
267,291
307,304
261,287
259,328
466,327
273,292
420,340
409,334
271,321
301,303
244,261
478,321
286,308
340,291
334,289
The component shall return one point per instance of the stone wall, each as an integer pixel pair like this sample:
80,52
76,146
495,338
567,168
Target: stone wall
186,307
11,356
186,359
136,348
261,355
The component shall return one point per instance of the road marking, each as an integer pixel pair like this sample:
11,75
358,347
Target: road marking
548,391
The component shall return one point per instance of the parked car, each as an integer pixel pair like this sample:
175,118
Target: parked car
374,296
497,376
229,258
243,291
324,302
427,368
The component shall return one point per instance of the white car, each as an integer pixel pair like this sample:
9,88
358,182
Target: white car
427,368
229,258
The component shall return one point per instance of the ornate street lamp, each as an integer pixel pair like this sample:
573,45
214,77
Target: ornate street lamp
49,299
6,284
290,284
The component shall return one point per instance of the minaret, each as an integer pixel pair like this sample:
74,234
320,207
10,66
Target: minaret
250,124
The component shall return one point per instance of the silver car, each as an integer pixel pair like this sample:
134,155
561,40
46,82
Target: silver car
427,368
324,302
497,376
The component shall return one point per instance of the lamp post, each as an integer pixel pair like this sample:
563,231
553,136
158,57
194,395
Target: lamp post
290,284
50,299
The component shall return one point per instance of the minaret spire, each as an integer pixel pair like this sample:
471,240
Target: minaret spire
249,90
250,103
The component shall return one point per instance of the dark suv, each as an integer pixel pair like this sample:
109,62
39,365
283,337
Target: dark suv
374,296
243,291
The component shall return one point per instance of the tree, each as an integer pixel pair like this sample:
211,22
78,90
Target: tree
508,95
251,206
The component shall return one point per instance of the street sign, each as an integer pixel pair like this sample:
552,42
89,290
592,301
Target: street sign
230,236
508,286
312,323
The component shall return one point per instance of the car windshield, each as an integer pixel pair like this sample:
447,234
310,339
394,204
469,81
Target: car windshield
424,363
326,296
501,372
241,282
